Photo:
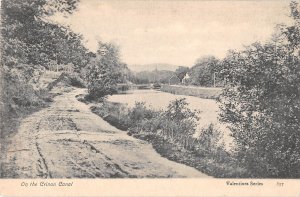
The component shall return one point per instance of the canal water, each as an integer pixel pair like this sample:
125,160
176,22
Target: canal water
209,108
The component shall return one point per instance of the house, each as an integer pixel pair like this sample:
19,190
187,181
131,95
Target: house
185,79
174,80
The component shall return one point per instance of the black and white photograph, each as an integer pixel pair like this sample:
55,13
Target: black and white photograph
99,89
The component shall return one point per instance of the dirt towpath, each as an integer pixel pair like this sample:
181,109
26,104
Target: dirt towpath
66,140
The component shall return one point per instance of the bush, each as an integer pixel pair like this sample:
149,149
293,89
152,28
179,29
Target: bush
209,141
185,119
103,72
65,80
176,124
18,98
261,103
76,81
114,113
143,120
140,112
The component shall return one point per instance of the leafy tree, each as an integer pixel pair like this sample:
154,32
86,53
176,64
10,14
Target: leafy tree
29,38
104,71
181,72
261,101
126,74
145,77
179,112
209,139
202,72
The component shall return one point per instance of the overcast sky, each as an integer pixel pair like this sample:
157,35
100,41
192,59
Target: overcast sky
175,32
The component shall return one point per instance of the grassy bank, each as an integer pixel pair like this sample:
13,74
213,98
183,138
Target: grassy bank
207,93
19,100
171,134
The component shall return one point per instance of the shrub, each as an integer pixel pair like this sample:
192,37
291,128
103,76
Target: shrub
114,113
65,80
76,81
209,140
186,119
261,102
142,119
176,124
140,112
18,98
103,72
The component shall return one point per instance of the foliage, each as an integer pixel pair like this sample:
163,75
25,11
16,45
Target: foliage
28,43
18,99
65,80
29,38
209,140
145,77
181,72
140,112
202,73
261,101
179,112
76,81
177,123
126,74
114,113
103,71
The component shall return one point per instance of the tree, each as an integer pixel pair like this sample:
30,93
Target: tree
145,77
104,71
29,38
202,73
181,71
261,102
180,122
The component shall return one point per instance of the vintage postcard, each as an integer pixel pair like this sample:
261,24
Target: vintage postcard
150,98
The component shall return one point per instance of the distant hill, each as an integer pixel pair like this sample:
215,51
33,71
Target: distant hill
151,67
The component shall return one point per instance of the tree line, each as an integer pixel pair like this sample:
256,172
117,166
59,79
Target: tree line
31,43
261,83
